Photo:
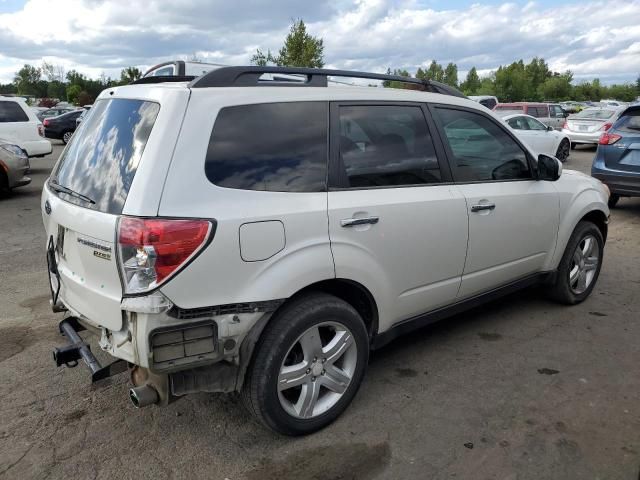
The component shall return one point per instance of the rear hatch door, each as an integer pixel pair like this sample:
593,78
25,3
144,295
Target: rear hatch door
625,153
84,198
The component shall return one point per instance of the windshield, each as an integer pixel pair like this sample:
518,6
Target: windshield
595,114
102,158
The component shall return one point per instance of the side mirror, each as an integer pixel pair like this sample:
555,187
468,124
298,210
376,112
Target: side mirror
549,128
549,168
565,114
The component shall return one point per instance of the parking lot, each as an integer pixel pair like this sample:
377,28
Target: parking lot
519,389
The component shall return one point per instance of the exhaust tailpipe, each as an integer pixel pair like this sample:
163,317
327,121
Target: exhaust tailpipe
143,396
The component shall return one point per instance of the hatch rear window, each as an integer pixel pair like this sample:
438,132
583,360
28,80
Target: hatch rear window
101,160
629,122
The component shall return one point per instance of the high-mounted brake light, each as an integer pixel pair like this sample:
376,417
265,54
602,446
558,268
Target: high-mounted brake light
152,250
608,138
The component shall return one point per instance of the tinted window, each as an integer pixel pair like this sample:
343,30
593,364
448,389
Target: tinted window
103,155
278,147
386,146
534,124
509,107
629,122
12,112
519,123
481,149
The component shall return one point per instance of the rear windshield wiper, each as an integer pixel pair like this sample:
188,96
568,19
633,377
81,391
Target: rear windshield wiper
59,188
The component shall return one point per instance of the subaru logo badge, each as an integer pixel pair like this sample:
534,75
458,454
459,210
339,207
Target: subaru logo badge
47,207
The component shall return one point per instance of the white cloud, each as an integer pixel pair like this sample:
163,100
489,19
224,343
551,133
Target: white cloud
106,35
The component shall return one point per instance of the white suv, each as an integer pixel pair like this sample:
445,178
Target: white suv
20,126
239,234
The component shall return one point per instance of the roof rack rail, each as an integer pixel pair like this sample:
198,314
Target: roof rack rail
311,77
163,79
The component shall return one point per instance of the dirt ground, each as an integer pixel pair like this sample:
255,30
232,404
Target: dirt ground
519,389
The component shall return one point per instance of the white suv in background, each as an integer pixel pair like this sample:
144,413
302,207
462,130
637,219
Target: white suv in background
239,234
20,126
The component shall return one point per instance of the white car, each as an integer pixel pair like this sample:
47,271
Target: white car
238,234
539,137
20,126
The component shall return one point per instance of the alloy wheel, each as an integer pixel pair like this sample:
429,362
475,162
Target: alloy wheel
67,137
317,370
584,264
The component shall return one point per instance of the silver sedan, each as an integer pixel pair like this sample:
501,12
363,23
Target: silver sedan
14,165
587,126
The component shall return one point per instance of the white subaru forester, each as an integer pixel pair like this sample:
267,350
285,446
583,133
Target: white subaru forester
253,230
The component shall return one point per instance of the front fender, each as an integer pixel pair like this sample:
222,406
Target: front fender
574,206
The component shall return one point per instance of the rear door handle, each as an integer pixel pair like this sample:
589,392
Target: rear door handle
352,222
483,206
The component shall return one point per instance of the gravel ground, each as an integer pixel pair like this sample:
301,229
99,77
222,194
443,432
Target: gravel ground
519,389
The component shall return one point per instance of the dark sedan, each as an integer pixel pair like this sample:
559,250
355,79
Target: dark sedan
62,126
617,161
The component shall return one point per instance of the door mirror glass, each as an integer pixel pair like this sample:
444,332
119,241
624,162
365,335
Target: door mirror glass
549,168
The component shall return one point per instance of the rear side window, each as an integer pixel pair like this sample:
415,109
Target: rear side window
539,112
629,122
12,112
101,160
385,146
276,147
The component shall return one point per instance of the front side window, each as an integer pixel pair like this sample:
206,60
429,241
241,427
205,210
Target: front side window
519,123
277,147
386,146
534,124
12,112
557,112
482,150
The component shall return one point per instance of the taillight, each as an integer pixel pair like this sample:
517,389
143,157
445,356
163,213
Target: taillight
40,130
152,250
606,127
45,122
608,138
565,125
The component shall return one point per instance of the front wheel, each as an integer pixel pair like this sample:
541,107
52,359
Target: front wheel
308,365
563,150
580,265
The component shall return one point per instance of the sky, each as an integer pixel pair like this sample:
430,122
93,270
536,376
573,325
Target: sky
591,38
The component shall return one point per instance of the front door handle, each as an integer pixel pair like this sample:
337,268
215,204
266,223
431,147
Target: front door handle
483,206
352,222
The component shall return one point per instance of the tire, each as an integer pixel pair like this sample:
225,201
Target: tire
577,274
563,150
613,200
306,319
5,191
66,137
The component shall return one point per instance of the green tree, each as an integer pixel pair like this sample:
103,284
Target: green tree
472,83
421,74
451,75
511,82
261,59
73,92
555,88
56,89
76,78
537,72
301,49
129,74
84,98
435,72
26,80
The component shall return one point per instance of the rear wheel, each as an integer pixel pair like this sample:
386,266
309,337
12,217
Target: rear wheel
66,137
308,365
563,150
580,265
613,200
